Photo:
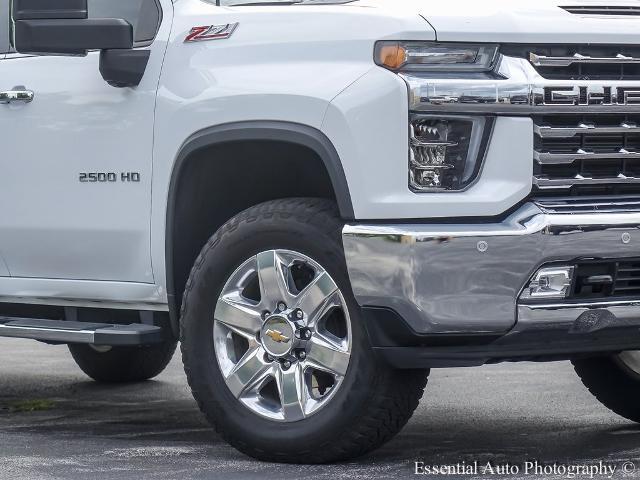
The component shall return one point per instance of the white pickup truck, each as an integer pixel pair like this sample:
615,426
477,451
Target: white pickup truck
322,200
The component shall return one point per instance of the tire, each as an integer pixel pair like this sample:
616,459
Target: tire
614,381
364,408
123,364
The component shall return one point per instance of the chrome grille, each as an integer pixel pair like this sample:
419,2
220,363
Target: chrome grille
578,155
581,62
603,10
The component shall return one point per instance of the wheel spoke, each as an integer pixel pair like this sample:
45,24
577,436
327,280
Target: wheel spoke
292,392
327,356
258,381
273,283
248,372
238,315
317,297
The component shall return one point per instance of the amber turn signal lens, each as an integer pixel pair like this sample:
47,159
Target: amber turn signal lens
391,55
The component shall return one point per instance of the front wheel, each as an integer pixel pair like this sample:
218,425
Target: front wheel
273,342
614,381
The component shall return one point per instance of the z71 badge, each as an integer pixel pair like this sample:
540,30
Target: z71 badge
211,32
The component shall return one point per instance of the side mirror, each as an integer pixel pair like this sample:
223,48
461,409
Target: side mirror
62,27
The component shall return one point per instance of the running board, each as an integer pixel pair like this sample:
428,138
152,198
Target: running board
61,331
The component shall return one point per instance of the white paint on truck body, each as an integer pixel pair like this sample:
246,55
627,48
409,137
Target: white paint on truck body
306,64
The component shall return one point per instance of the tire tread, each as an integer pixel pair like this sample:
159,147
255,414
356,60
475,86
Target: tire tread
611,384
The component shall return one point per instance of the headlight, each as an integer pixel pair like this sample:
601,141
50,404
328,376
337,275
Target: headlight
435,57
445,153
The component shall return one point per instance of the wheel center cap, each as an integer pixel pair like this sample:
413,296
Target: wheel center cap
278,336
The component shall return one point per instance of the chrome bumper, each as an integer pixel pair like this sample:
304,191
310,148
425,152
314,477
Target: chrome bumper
466,278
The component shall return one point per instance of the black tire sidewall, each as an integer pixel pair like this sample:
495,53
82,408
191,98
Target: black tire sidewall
222,257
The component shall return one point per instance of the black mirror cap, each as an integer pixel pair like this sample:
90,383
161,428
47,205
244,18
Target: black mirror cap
71,36
123,68
48,9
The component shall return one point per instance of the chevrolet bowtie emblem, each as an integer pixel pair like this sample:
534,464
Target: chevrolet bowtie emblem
277,336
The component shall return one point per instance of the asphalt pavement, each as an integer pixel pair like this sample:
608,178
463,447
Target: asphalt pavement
57,424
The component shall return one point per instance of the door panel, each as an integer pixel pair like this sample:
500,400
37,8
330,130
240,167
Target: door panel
75,171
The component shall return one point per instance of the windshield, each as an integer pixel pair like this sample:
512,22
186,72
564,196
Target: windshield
231,3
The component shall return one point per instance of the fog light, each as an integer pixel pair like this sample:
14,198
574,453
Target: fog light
551,282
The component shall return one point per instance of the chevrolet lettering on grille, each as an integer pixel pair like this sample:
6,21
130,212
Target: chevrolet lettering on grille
591,95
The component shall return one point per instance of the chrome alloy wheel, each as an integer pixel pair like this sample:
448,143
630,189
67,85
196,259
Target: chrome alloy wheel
282,335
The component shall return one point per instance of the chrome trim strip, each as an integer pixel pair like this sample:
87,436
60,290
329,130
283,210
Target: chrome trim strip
611,314
546,158
83,293
597,304
543,61
601,206
81,303
543,183
526,221
518,89
545,131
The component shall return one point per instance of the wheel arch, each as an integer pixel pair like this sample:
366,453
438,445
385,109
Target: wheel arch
278,132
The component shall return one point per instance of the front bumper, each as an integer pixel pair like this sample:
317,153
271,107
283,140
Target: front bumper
465,279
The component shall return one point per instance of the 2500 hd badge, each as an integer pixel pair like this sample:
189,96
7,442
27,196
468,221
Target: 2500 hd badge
106,177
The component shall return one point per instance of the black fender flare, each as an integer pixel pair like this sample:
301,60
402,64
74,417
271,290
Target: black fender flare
289,132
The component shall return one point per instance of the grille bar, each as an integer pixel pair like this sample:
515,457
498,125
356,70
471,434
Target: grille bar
545,61
568,158
546,131
579,180
572,205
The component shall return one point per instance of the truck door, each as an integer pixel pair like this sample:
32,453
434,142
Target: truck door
75,168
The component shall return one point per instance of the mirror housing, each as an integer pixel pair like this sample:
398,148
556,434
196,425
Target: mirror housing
62,27
43,9
123,68
58,36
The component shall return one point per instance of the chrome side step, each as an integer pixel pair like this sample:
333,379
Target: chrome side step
61,331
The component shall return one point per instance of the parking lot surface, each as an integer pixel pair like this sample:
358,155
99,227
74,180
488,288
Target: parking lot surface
57,424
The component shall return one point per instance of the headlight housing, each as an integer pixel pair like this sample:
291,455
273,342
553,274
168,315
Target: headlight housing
445,152
436,57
